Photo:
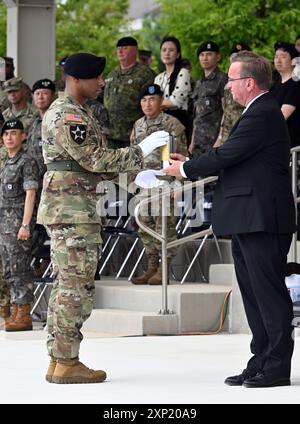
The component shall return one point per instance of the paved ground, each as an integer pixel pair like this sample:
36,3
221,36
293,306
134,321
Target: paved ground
141,370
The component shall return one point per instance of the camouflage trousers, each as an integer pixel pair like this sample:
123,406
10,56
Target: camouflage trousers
17,272
74,253
4,288
151,216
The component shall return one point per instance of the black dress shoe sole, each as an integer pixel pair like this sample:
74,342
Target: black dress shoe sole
232,383
276,383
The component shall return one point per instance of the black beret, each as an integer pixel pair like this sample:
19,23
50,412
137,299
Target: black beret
150,90
287,47
63,60
146,53
127,41
12,124
43,83
208,46
84,65
238,47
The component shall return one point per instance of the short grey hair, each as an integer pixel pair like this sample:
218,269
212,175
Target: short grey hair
255,66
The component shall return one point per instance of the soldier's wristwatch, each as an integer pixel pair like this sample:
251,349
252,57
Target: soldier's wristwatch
26,227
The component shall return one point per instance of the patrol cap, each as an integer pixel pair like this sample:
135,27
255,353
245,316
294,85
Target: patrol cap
150,90
287,47
208,46
43,83
238,47
84,65
12,84
127,41
63,60
145,53
12,124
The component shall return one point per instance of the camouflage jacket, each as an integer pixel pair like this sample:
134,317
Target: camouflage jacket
208,109
121,99
4,103
232,112
70,132
18,174
101,115
33,146
145,126
26,115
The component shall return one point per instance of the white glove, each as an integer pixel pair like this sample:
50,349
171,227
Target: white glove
147,179
153,141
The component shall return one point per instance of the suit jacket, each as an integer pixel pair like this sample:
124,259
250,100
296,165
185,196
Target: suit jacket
253,192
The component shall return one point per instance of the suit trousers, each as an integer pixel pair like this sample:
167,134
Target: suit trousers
260,264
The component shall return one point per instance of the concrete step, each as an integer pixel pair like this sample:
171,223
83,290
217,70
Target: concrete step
131,323
121,307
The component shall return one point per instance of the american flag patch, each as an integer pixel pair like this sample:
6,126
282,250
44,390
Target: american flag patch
71,117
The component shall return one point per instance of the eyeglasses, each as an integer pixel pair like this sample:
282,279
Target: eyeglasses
236,79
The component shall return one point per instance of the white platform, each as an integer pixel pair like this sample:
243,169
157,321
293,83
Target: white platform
141,370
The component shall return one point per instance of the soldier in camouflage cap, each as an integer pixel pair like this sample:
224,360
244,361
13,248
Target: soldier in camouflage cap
19,182
121,94
76,161
155,119
207,97
19,107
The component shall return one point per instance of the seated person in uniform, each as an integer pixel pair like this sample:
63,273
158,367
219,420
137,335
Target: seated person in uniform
155,119
18,186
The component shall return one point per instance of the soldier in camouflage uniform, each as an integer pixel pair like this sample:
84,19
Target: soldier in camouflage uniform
101,115
19,107
43,95
232,110
122,89
207,96
76,159
19,182
151,100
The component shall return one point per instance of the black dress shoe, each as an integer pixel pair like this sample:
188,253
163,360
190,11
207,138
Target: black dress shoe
238,380
263,380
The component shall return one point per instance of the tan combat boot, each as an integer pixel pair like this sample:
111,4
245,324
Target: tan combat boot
5,311
71,371
13,314
22,321
51,369
152,268
156,280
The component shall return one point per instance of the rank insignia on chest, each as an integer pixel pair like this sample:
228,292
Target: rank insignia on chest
78,133
72,117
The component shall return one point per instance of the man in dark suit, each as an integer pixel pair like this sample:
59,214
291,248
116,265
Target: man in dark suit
253,201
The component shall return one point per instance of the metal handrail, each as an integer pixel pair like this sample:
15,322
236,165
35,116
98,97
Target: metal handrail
294,152
163,236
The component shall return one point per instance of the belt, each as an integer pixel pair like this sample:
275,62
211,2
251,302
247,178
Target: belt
66,165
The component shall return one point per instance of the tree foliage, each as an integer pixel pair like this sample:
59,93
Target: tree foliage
92,26
259,23
2,29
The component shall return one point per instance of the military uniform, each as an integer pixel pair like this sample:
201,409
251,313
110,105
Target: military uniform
75,155
121,99
142,128
26,115
101,115
232,112
208,110
4,103
19,173
4,288
34,146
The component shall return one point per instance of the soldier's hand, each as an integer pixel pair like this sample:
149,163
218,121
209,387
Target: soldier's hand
153,141
177,156
23,234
